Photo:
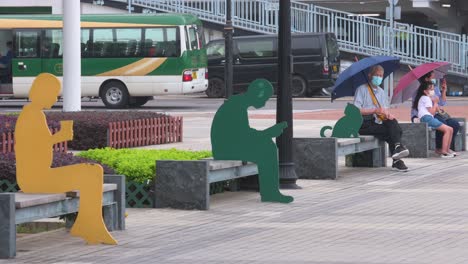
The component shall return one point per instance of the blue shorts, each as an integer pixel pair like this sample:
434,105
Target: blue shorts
431,121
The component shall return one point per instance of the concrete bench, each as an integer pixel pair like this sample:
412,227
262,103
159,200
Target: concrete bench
18,208
420,139
317,158
186,184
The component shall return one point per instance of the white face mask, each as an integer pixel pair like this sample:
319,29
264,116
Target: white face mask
431,93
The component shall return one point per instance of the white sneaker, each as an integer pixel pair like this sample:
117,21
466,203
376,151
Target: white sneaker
448,155
453,152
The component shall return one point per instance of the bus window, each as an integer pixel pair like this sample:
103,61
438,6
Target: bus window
103,42
85,43
127,41
26,44
52,44
194,44
162,42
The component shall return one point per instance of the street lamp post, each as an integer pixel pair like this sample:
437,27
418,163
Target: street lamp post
228,70
288,175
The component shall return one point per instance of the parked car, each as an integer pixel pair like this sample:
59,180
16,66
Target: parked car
316,62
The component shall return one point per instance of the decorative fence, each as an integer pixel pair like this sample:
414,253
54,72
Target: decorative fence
142,132
7,142
8,186
139,195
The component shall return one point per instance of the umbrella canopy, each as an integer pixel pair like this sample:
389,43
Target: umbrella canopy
356,74
408,84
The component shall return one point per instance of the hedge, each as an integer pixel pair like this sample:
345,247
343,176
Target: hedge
139,165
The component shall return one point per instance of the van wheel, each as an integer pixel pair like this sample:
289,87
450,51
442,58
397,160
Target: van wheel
215,88
138,101
115,95
299,86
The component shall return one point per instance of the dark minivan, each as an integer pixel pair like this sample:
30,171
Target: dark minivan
316,62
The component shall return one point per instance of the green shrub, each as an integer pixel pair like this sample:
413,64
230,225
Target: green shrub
139,164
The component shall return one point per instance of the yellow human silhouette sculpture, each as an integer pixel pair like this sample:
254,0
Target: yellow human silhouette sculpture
34,154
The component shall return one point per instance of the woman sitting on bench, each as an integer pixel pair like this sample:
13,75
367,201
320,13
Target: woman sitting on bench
427,105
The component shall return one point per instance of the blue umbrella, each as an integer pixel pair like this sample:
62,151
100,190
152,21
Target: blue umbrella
356,74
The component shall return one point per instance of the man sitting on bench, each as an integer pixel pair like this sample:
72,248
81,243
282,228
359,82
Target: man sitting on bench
373,104
232,138
34,155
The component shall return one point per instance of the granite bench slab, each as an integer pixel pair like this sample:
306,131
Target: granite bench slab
18,208
420,139
185,184
317,158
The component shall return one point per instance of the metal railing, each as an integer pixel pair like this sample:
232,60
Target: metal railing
356,34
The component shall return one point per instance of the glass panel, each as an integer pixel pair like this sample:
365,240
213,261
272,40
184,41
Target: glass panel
26,44
215,49
161,42
86,44
52,44
128,39
193,39
257,48
306,46
103,45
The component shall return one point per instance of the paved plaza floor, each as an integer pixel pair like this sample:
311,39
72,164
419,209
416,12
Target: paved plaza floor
366,216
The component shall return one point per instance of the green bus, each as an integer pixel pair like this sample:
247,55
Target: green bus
125,59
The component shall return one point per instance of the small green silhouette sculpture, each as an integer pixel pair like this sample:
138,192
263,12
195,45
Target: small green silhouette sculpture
232,138
348,126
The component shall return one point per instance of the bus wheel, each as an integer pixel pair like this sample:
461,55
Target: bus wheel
115,95
299,86
215,88
138,101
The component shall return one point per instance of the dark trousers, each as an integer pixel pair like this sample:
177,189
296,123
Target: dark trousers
389,131
451,123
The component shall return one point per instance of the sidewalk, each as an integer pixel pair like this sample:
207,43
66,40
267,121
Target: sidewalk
370,215
367,216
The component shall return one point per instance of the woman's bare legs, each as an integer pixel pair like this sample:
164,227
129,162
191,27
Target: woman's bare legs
446,139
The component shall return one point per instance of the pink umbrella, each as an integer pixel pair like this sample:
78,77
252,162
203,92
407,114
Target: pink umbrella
408,84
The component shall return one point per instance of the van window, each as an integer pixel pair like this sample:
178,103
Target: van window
332,46
306,46
215,49
256,48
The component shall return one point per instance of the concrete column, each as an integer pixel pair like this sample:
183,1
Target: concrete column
71,84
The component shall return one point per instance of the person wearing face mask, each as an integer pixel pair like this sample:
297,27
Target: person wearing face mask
441,94
427,105
373,104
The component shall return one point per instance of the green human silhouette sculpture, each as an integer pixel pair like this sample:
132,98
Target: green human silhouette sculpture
232,138
348,126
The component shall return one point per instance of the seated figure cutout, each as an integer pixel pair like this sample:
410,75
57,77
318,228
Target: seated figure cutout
348,126
232,138
34,155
